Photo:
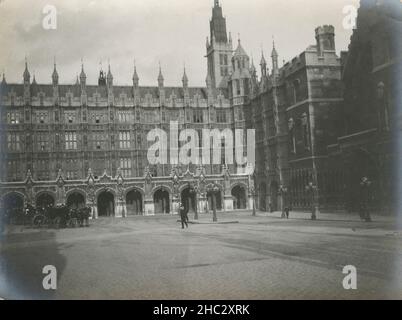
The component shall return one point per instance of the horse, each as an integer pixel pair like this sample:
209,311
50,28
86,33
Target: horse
83,216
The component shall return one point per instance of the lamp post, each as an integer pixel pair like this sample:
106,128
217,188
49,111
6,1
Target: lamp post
283,191
253,194
313,189
213,190
365,186
194,191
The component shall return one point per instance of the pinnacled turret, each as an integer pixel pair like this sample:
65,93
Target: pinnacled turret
27,83
109,78
160,87
55,75
34,79
185,79
26,75
136,79
263,65
83,77
160,77
240,78
3,80
274,56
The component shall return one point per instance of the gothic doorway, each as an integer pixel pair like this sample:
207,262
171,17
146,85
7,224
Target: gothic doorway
106,204
239,198
161,202
45,200
75,201
188,199
134,202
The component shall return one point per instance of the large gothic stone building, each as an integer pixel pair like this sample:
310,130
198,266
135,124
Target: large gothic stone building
84,144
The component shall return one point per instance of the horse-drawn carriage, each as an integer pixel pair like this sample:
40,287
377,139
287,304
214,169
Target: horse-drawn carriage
60,216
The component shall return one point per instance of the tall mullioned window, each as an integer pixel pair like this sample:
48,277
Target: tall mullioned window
13,142
71,169
124,140
42,170
71,140
124,117
221,116
125,167
13,117
13,171
198,116
43,142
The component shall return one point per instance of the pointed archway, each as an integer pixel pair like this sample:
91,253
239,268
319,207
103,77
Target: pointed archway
106,204
161,202
75,201
45,200
188,199
134,202
239,198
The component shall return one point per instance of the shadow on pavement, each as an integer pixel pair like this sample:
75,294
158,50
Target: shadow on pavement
21,266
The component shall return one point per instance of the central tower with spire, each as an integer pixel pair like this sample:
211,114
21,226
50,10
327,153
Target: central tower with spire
219,49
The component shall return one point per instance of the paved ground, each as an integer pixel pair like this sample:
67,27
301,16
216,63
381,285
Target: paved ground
261,257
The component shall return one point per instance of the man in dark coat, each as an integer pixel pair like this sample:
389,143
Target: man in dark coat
183,216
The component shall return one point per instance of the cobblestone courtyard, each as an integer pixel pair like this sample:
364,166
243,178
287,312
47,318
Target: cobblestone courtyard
261,257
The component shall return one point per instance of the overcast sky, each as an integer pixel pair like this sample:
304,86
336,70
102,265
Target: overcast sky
170,31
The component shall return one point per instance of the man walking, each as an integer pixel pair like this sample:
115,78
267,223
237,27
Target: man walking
183,216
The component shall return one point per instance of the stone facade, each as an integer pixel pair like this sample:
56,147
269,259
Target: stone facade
292,108
371,76
319,119
86,144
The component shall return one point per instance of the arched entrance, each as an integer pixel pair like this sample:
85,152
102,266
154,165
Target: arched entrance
274,196
218,200
239,198
134,202
263,197
75,201
161,202
45,200
12,204
188,199
106,204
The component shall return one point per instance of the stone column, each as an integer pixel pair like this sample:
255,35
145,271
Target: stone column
228,202
120,210
149,207
175,205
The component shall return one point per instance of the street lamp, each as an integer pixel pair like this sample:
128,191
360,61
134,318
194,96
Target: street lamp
283,191
365,186
194,191
313,190
253,194
213,190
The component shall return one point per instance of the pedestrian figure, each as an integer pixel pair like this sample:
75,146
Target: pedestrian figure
183,216
365,196
287,211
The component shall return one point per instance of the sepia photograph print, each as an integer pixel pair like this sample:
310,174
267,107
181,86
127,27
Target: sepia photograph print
200,150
